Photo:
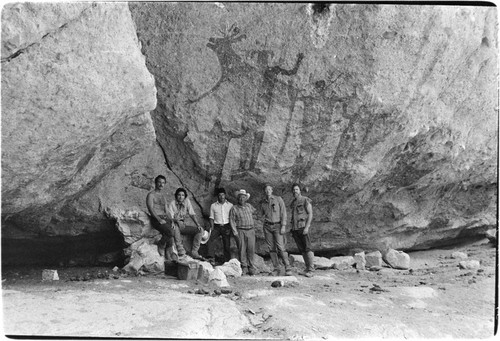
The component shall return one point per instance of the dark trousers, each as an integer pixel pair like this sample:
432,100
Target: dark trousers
303,242
226,233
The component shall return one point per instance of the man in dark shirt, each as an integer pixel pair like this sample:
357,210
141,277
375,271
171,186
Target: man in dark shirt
301,223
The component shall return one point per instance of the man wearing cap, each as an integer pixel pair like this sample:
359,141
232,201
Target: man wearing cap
301,222
242,224
273,209
157,206
180,209
219,225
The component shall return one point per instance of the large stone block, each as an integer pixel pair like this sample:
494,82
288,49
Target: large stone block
397,259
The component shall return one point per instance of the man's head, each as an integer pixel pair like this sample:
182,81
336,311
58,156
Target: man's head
221,195
180,194
296,190
160,182
268,189
242,196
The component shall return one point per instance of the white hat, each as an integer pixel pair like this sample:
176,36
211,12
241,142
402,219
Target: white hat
242,191
206,236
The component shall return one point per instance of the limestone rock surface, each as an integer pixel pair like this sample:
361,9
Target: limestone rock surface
385,114
76,96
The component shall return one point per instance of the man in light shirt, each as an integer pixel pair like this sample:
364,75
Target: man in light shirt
219,225
273,210
180,210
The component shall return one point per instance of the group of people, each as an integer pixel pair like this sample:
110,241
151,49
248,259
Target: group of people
234,221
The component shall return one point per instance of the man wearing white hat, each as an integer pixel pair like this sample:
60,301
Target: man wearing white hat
242,224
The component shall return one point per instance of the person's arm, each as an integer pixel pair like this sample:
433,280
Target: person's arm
150,205
232,221
309,211
283,215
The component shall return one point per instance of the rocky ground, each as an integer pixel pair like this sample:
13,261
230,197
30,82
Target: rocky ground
433,299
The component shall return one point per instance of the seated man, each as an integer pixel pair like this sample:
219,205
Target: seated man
157,206
180,209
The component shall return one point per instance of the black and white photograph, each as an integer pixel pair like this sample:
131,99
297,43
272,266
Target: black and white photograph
249,170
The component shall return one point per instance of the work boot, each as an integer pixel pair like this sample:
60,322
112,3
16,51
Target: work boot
309,260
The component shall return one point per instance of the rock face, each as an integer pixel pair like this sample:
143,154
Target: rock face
76,97
385,114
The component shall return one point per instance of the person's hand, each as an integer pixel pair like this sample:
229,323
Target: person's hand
283,229
200,228
162,221
306,231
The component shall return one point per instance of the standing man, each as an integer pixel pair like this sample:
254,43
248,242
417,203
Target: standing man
273,209
242,224
180,209
219,225
157,206
301,222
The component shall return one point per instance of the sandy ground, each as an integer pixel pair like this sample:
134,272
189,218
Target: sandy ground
434,299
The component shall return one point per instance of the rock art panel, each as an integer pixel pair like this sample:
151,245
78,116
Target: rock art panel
368,106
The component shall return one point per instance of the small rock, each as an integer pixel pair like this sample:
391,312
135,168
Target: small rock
459,255
469,264
218,278
397,259
116,269
322,263
277,284
373,259
50,275
342,262
375,268
296,259
217,292
360,261
231,268
226,290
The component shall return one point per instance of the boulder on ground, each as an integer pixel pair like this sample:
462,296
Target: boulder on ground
218,278
296,259
459,255
322,263
469,264
232,268
359,260
204,271
50,275
397,259
342,262
144,256
373,259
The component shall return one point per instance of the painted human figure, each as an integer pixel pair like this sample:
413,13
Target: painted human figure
242,224
180,210
273,209
156,203
302,215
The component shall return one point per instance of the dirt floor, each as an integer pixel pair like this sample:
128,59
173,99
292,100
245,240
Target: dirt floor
434,299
